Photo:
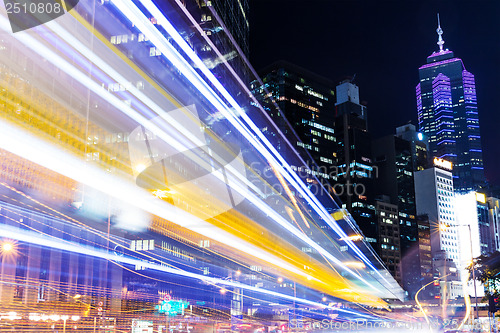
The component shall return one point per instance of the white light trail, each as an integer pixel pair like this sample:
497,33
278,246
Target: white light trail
84,79
131,11
12,142
160,42
240,189
65,66
115,75
55,243
32,148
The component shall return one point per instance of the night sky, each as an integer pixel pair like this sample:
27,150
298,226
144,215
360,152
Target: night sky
384,43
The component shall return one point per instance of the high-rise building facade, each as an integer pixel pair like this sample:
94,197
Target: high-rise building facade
425,253
234,15
474,231
353,144
435,200
448,115
395,162
355,163
306,102
226,31
389,240
434,197
472,217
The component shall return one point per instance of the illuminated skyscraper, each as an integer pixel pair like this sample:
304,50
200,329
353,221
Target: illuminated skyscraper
448,115
306,100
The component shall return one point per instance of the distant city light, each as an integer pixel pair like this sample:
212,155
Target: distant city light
443,227
355,264
420,136
353,238
439,162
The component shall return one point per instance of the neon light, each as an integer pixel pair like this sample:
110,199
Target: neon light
443,163
293,179
33,238
440,53
446,141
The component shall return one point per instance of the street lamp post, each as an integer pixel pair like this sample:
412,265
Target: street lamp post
473,271
443,228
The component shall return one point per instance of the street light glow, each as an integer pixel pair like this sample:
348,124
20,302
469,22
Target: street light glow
7,246
352,238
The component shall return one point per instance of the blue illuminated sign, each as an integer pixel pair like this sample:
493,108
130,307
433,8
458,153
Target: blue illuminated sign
172,307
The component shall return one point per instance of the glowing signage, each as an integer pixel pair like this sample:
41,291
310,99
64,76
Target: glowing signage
481,197
171,307
439,162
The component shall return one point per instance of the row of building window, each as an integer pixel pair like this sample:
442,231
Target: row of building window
122,39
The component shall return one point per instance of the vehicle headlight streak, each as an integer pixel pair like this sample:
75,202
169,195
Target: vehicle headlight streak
31,148
160,42
241,189
138,18
55,163
33,238
65,66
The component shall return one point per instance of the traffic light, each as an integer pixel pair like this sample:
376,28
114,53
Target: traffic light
493,304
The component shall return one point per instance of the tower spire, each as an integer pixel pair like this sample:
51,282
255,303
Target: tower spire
439,31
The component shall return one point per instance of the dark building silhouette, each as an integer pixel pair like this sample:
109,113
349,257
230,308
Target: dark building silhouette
355,165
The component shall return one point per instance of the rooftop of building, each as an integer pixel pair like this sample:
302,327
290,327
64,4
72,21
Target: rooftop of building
439,56
308,75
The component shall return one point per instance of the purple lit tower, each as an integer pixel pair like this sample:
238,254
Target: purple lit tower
447,113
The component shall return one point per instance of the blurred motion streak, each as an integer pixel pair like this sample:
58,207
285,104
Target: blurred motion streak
134,171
